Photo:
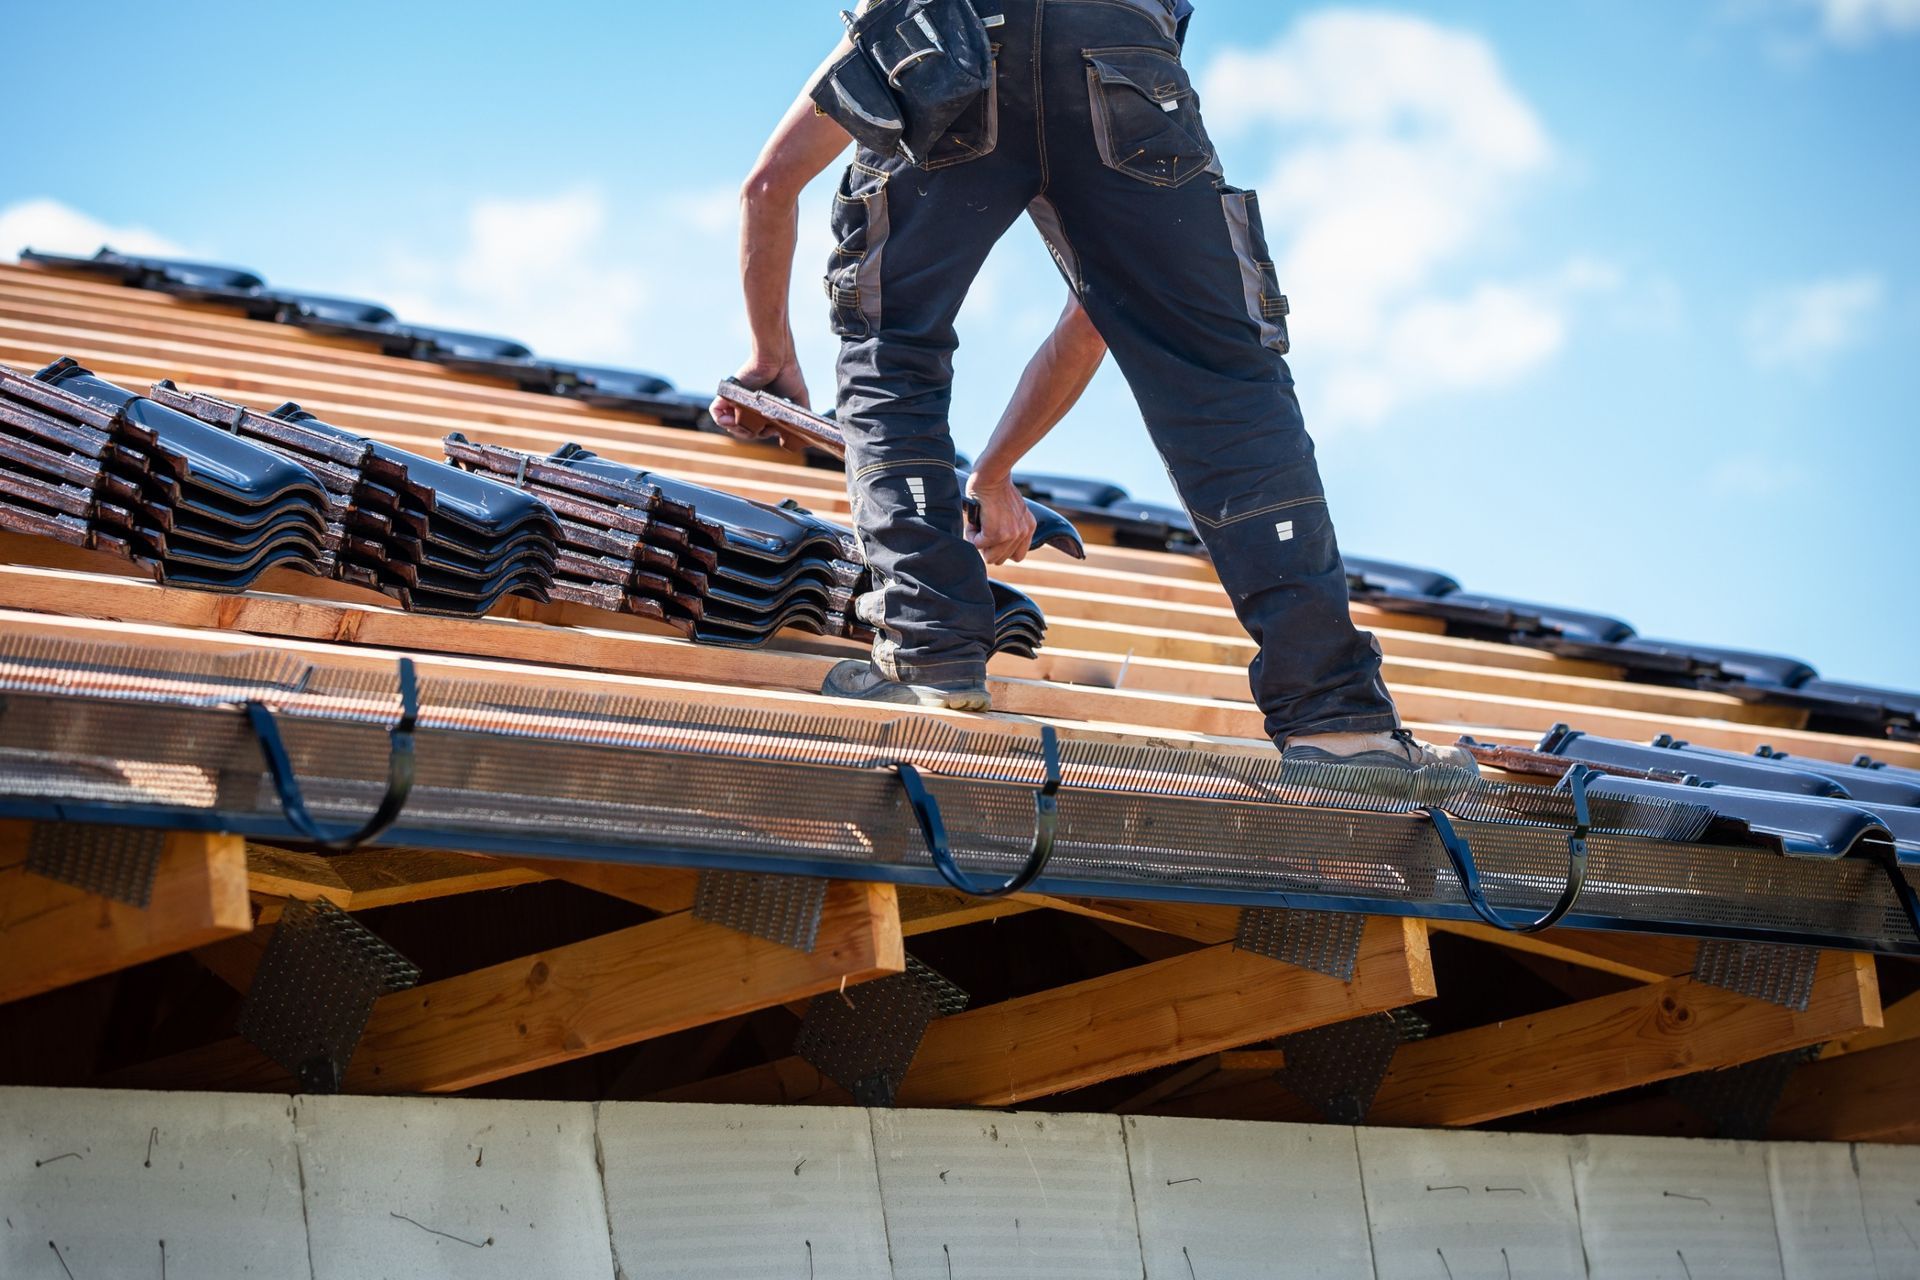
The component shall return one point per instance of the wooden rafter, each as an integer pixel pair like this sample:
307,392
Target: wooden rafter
1868,1095
373,878
1638,956
1120,1024
1584,1050
573,1001
53,935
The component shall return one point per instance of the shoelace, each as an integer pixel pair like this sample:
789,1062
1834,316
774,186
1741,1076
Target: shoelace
1411,744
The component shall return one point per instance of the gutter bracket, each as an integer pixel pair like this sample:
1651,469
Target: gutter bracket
400,771
1460,854
1045,822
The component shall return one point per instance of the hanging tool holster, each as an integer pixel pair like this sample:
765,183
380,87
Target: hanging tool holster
915,66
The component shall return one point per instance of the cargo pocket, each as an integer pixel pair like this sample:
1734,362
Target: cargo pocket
1146,116
860,238
1258,280
977,132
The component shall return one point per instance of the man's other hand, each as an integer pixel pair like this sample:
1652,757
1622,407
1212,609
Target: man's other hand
785,381
1006,525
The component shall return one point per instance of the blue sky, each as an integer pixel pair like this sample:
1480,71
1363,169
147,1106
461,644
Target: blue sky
1606,302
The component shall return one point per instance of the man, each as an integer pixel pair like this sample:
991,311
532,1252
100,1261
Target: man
1090,127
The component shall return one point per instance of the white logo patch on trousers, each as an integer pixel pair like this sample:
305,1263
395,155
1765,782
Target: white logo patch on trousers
917,488
1285,530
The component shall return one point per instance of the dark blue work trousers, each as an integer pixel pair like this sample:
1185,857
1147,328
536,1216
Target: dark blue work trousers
1093,130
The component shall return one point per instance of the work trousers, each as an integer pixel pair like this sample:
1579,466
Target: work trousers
1092,129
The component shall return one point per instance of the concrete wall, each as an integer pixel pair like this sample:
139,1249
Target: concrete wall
97,1184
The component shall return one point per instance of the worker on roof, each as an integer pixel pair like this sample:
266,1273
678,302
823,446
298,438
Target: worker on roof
1079,114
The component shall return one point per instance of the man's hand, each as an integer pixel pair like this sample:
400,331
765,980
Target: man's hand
784,380
1006,526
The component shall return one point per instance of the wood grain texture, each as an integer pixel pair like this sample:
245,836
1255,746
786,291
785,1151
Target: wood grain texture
1120,1024
573,1001
1869,1096
1638,956
369,878
1636,1037
53,935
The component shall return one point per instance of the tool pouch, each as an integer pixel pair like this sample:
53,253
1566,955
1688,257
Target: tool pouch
916,66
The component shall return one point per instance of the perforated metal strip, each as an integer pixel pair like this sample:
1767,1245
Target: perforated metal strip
114,862
1338,1069
782,909
315,989
1324,941
1779,975
864,1038
1740,1100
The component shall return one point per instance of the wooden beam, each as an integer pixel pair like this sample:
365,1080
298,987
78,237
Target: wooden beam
1583,1050
53,935
1869,1096
1119,1024
1636,1037
1211,1072
924,910
573,1001
1199,921
1640,957
1899,1021
138,607
664,889
370,878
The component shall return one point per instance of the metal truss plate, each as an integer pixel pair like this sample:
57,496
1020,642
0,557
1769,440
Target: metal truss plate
315,989
114,862
782,909
1324,941
864,1038
1764,971
1338,1069
1740,1100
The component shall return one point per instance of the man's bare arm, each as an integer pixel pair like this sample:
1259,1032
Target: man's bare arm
1053,382
803,145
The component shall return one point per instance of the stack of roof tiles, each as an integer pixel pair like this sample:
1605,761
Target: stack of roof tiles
95,465
434,537
721,568
624,547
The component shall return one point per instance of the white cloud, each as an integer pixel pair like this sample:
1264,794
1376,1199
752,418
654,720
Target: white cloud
1397,148
1859,21
1801,328
547,270
653,286
52,227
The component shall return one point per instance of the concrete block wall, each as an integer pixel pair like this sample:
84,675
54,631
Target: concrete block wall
96,1183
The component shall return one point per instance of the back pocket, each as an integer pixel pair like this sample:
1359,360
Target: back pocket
1146,116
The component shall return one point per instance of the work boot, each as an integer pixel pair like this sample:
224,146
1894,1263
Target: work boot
858,678
1394,765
